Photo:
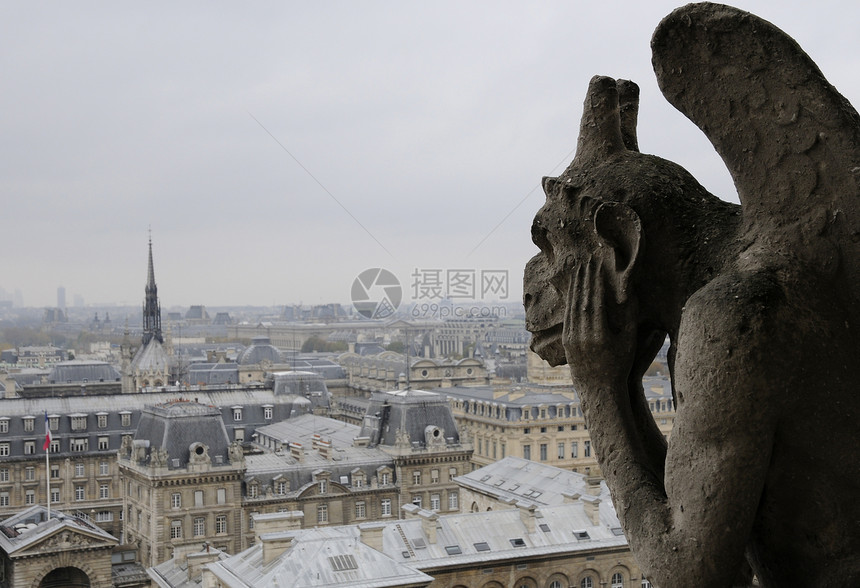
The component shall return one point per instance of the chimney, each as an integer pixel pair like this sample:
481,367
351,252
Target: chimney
428,524
371,534
592,485
274,544
296,451
277,522
324,448
527,515
570,497
197,559
210,356
591,506
8,385
411,510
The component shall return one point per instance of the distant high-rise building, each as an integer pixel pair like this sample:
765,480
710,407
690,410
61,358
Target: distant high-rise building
61,298
78,299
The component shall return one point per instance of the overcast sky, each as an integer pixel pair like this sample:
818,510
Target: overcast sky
243,133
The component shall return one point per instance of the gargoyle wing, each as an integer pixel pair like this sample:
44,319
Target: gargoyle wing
789,139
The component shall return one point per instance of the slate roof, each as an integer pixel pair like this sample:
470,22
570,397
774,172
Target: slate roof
461,540
514,479
175,426
314,561
83,371
261,349
30,526
411,411
151,358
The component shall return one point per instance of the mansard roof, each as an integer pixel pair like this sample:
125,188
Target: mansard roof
407,411
176,426
83,371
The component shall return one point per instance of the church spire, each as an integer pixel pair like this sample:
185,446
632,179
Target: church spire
151,307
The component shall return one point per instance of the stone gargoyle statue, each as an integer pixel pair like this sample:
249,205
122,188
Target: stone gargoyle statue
761,303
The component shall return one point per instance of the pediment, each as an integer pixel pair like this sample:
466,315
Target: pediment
65,539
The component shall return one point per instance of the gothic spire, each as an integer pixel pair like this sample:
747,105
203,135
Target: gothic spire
151,307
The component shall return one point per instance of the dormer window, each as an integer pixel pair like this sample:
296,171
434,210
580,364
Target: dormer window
237,413
323,486
79,422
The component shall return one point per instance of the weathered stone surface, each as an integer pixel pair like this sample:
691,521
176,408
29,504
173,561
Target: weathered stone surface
761,303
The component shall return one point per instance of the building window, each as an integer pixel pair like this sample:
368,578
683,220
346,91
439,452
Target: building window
4,425
555,584
267,413
125,419
543,451
104,491
103,443
54,423
323,486
80,493
416,478
4,474
385,506
617,580
435,502
104,516
29,447
452,473
55,446
586,450
79,470
198,498
30,497
221,525
102,421
252,491
251,520
176,529
237,413
646,583
104,468
55,472
221,496
239,435
527,451
574,449
416,500
434,476
282,487
199,526
453,501
384,478
322,513
4,499
79,423
55,495
526,430
29,473
503,450
561,450
176,500
79,444
587,582
4,449
360,510
29,424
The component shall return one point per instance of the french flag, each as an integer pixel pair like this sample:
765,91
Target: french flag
48,437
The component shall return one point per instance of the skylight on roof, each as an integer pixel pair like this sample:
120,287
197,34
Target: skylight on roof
453,550
341,563
482,546
581,535
418,543
544,527
518,542
617,531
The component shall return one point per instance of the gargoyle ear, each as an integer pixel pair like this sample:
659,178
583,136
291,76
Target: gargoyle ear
549,186
620,230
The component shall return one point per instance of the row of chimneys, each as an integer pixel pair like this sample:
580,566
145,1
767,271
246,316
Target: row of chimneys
323,446
276,532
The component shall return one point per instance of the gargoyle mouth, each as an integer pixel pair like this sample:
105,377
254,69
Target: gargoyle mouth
547,344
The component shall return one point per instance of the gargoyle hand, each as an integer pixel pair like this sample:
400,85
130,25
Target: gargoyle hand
599,334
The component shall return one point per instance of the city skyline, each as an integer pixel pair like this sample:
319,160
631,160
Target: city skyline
279,152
